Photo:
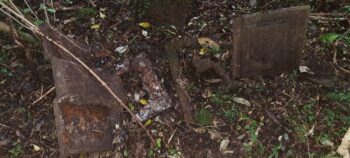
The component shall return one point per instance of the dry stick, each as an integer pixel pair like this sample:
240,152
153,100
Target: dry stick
44,95
46,15
103,83
267,4
31,26
31,10
15,8
15,19
345,70
54,13
93,3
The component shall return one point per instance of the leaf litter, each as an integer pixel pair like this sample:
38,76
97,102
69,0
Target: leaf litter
287,90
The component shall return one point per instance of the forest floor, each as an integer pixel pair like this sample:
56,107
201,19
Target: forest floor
289,115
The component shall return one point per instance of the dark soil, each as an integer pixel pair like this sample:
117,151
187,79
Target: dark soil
291,114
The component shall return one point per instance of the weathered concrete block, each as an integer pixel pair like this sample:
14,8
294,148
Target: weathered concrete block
85,113
268,43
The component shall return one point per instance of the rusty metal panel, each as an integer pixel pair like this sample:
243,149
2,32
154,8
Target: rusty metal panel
83,128
171,12
269,43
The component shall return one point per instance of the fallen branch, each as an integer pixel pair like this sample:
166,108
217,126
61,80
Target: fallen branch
26,23
172,50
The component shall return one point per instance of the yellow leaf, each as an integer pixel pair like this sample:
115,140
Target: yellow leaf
203,51
36,148
143,101
145,25
102,16
148,122
95,26
207,42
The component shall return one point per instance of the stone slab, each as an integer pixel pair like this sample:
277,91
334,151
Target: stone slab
85,113
269,43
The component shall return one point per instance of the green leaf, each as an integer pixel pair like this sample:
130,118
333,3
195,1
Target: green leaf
345,9
26,10
150,153
159,143
172,152
340,96
68,1
86,13
51,10
38,22
42,6
131,107
203,117
329,38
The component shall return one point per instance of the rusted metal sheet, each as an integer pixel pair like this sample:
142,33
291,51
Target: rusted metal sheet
85,114
170,12
268,43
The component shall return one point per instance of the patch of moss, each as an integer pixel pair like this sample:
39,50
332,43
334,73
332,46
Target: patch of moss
139,7
86,13
203,117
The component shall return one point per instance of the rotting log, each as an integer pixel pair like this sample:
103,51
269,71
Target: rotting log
172,49
159,99
85,114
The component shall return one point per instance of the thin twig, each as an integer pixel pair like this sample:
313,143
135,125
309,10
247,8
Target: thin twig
3,125
44,95
172,135
36,30
54,13
31,26
345,70
46,14
93,3
15,8
267,4
5,66
15,19
31,10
